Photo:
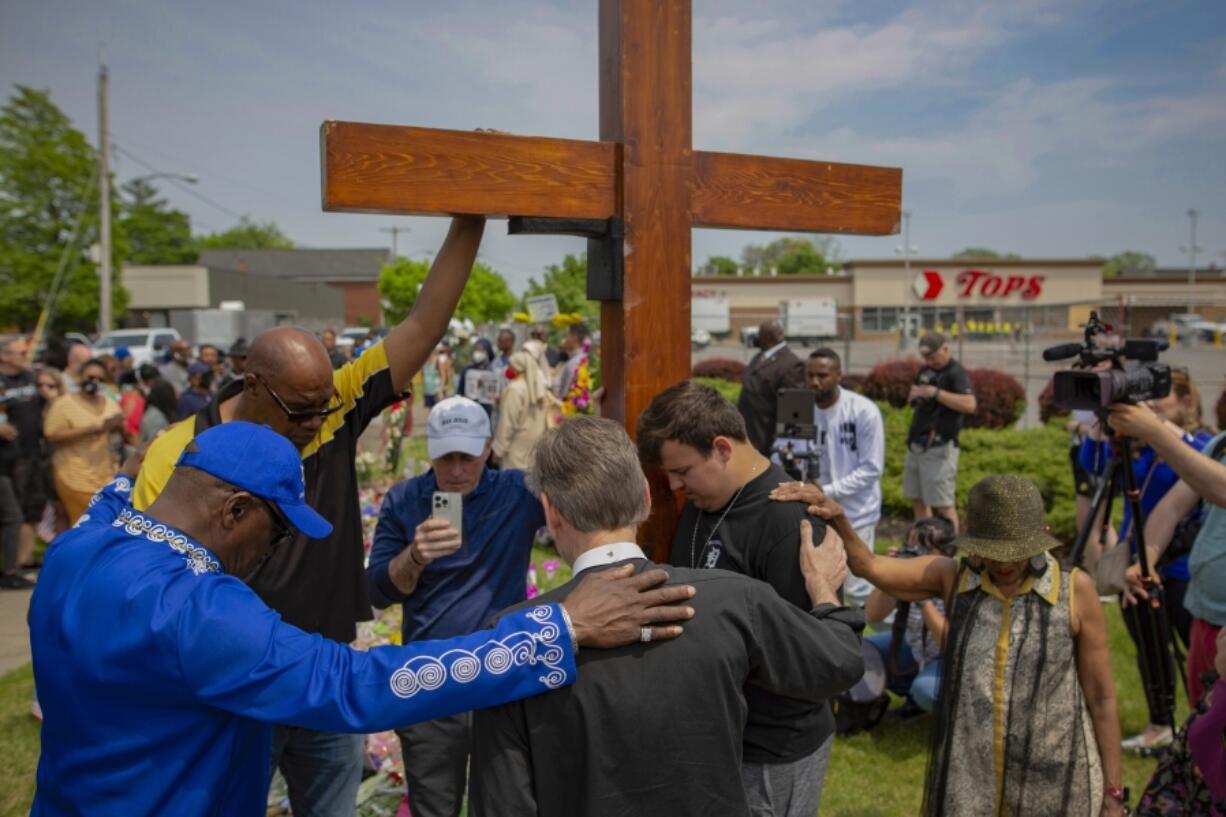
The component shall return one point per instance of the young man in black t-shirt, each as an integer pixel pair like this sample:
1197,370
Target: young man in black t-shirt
729,522
940,398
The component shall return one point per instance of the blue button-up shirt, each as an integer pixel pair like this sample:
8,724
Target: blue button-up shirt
158,674
461,592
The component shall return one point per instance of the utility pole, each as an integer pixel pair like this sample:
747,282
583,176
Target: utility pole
104,203
1191,249
395,231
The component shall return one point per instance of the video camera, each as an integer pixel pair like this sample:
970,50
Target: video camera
794,421
1134,377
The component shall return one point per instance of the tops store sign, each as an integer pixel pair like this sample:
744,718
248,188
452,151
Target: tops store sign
970,283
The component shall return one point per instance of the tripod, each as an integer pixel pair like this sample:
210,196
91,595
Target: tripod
1159,652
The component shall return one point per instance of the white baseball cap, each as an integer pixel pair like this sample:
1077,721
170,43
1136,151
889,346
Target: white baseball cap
457,424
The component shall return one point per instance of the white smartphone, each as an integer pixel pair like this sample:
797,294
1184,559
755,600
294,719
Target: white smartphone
450,506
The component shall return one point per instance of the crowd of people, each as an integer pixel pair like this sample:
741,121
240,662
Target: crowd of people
68,419
205,595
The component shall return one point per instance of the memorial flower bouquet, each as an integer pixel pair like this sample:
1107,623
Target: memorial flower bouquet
579,399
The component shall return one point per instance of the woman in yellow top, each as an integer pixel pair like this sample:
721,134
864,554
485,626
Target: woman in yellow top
1026,723
80,425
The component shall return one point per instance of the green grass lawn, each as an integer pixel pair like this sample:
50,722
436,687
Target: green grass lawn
877,774
18,742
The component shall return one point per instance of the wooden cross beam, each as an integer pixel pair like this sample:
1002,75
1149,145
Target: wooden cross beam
643,172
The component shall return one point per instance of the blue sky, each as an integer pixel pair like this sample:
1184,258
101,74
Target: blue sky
1050,129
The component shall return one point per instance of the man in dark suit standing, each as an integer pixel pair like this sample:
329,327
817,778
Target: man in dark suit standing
581,750
773,368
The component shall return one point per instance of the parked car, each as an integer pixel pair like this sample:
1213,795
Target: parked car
699,338
1186,325
145,344
1204,328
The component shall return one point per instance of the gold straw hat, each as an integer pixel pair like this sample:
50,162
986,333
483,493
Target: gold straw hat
1004,520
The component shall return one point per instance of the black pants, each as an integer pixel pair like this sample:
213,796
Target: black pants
1181,626
436,764
10,525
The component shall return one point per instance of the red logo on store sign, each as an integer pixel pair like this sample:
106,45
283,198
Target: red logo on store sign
929,283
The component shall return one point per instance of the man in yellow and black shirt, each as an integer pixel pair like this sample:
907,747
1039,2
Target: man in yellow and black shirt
320,585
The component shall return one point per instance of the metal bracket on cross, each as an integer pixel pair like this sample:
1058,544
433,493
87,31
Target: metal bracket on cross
605,262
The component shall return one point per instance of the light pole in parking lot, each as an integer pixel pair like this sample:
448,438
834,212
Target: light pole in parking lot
1191,249
906,249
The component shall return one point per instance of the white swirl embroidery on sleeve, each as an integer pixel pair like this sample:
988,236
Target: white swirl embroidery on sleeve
496,656
197,558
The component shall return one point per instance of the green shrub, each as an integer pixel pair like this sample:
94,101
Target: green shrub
1039,454
890,381
727,388
725,368
999,397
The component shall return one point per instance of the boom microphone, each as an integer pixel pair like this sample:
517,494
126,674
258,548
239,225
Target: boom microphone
1062,352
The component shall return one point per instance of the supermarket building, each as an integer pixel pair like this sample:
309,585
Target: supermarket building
1051,296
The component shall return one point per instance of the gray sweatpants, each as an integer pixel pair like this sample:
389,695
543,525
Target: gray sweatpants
787,789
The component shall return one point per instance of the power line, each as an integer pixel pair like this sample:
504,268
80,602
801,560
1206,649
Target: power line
180,185
213,174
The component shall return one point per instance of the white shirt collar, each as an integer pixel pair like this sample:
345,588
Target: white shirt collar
771,352
607,555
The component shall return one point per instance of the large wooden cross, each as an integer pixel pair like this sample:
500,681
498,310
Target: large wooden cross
643,178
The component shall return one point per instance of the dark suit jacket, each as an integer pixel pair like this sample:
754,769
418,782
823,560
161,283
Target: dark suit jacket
656,729
763,379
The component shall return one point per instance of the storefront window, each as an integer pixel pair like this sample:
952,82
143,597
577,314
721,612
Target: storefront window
934,316
879,319
978,314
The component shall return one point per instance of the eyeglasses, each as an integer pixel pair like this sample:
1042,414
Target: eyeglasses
282,534
303,415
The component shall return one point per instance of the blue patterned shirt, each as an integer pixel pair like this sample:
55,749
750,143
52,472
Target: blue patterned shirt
159,675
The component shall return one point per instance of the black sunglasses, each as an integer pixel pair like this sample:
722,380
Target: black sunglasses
282,534
303,415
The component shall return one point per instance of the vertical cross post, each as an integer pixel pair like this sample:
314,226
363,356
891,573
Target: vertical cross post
645,109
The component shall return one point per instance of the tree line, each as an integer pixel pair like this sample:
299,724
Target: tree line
49,221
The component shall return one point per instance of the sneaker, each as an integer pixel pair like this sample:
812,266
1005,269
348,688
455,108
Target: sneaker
1144,744
11,581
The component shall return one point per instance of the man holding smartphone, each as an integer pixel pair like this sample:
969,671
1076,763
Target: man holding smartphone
451,579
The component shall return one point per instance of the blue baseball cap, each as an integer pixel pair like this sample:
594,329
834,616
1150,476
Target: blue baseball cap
122,353
262,462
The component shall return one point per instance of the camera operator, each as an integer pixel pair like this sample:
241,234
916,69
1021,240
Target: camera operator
849,455
940,398
911,649
1179,413
1204,477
